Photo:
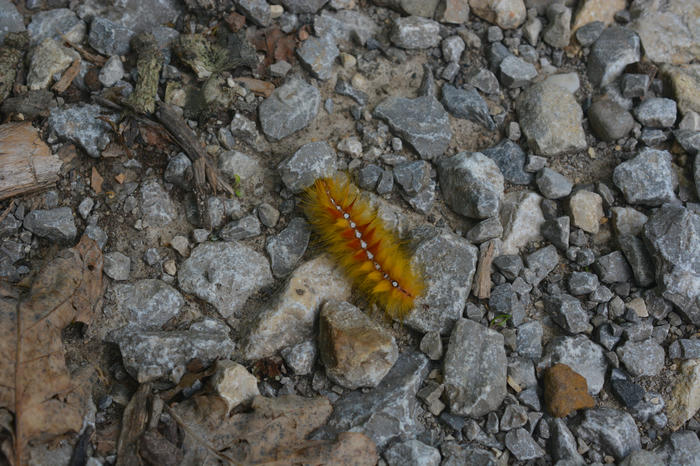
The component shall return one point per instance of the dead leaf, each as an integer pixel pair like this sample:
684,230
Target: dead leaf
235,22
34,381
276,44
120,178
273,433
155,136
96,181
113,150
134,423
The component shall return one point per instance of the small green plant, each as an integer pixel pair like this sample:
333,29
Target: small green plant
500,320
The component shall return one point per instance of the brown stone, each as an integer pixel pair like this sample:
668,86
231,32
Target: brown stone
597,10
565,391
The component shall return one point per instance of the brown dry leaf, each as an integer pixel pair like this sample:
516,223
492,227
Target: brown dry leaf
96,181
34,381
256,86
121,177
273,433
155,136
276,44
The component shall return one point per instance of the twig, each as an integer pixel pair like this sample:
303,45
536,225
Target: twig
482,283
68,77
6,212
92,57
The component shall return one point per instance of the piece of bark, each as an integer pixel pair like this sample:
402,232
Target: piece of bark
134,423
482,281
149,64
26,162
11,54
68,77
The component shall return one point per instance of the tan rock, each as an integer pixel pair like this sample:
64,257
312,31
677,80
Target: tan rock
597,10
289,318
452,11
685,398
508,14
685,81
586,211
234,383
565,391
356,351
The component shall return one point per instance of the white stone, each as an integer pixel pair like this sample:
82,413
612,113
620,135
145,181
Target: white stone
522,219
234,383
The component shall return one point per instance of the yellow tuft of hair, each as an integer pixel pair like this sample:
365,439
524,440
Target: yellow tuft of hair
371,254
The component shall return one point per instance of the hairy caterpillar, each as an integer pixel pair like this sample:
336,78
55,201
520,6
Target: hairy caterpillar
370,253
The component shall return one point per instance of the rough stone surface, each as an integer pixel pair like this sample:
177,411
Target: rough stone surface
386,412
613,268
551,119
258,11
355,350
581,355
522,219
468,104
300,357
522,445
146,304
313,160
286,248
10,19
288,319
586,210
244,228
507,14
609,120
55,224
156,206
553,185
628,221
290,108
318,55
516,72
345,25
412,452
472,184
558,33
616,48
47,59
224,274
646,179
475,369
567,312
234,383
565,391
111,72
414,32
685,83
656,112
612,430
79,123
422,122
117,266
642,358
448,263
510,159
109,38
684,401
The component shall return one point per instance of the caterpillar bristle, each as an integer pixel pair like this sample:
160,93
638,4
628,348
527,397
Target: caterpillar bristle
372,255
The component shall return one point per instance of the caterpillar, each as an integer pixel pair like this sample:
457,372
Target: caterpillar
369,252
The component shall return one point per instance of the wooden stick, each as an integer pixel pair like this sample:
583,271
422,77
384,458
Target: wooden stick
482,281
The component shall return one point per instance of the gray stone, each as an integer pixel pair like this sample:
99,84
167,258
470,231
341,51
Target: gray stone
522,445
613,268
522,219
496,53
51,24
507,14
448,263
156,206
413,177
589,33
179,171
224,274
111,72
386,182
586,210
452,11
530,399
616,48
286,248
412,452
485,230
268,215
258,11
553,185
628,221
355,350
563,445
431,345
474,369
97,234
609,120
386,412
582,283
516,72
300,357
318,56
582,355
612,430
681,447
368,176
642,358
557,231
521,370
653,137
117,266
567,312
290,108
244,128
345,25
641,458
343,87
79,123
279,69
690,142
482,79
48,59
471,184
558,32
452,48
468,104
657,112
551,119
541,263
684,348
85,207
415,32
55,224
137,15
504,300
244,228
422,122
150,355
510,159
494,34
144,305
634,85
312,161
647,179
529,340
639,260
109,38
10,19
509,265
303,6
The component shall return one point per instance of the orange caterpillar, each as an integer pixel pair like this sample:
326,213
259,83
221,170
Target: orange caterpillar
370,253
